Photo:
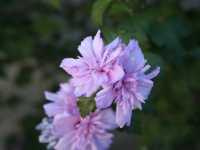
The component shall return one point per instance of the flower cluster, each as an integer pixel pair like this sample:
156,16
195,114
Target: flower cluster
114,73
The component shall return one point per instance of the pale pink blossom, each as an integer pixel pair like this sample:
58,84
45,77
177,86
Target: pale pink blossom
133,89
124,77
47,136
63,101
84,133
98,64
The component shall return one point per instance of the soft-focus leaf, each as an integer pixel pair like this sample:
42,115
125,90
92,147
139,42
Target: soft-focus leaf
119,9
55,3
86,105
98,9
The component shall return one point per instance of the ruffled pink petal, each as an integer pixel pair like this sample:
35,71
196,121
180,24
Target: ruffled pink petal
144,87
133,58
123,113
65,142
112,56
137,105
64,123
137,54
116,73
102,141
50,96
91,88
153,74
105,119
67,87
98,45
113,45
139,97
104,98
53,109
84,86
93,145
86,48
75,67
79,84
99,78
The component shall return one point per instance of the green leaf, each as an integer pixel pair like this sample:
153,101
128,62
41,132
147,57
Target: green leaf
86,106
98,10
55,3
119,9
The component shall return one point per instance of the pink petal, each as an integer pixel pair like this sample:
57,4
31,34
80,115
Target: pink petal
102,141
137,54
67,87
86,48
146,67
98,45
116,73
154,73
133,58
137,104
99,77
123,114
144,87
80,85
75,67
105,119
113,45
50,96
92,87
65,142
64,123
112,56
84,86
139,97
104,98
53,109
93,145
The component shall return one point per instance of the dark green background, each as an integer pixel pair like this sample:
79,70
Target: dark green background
35,35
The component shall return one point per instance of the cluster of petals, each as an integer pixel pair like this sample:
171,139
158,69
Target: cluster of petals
115,73
118,69
65,128
98,65
133,89
88,133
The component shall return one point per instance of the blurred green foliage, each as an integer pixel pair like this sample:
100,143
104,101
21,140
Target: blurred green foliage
36,34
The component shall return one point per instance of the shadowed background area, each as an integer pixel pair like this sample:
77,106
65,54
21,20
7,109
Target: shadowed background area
35,35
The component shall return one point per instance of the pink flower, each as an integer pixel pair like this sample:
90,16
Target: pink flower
97,65
133,89
46,135
88,133
63,101
121,71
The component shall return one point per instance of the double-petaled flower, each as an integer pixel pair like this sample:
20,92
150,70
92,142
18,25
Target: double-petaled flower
116,73
65,128
133,89
98,65
84,133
